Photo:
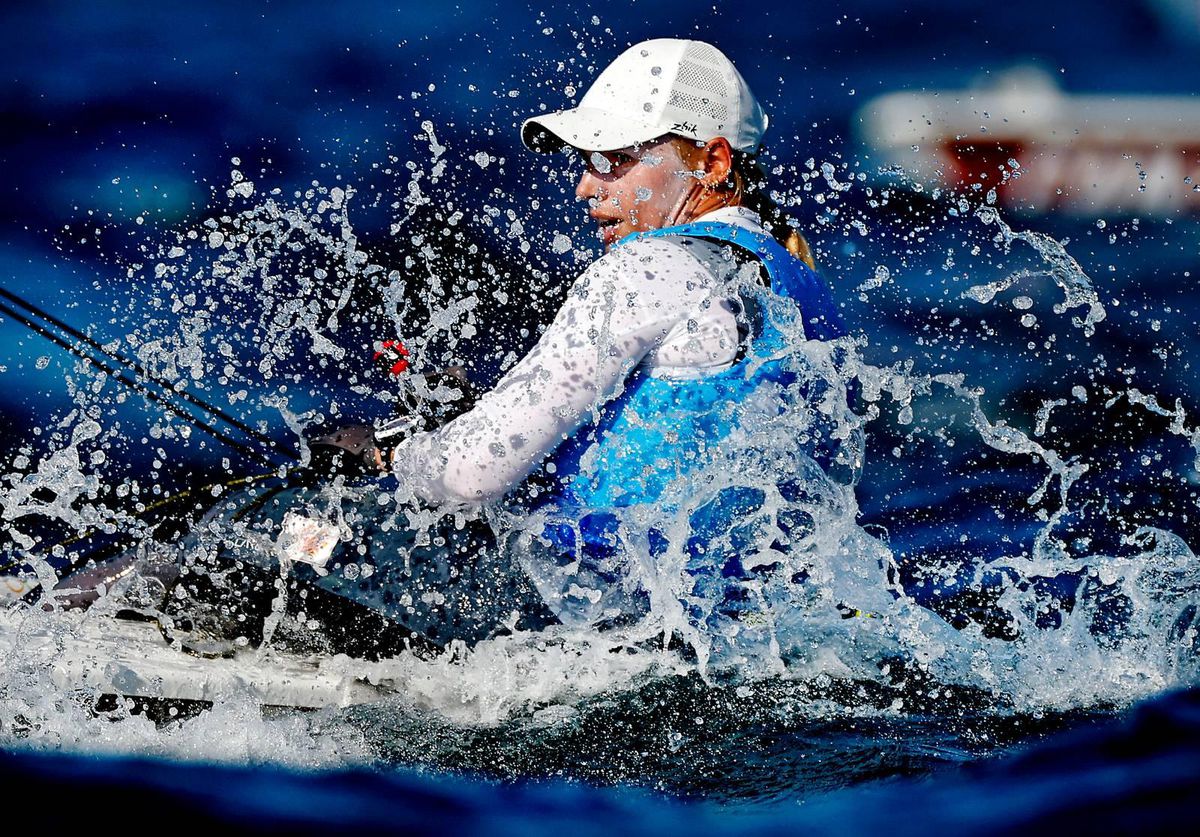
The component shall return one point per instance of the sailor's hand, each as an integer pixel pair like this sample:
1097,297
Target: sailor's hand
347,450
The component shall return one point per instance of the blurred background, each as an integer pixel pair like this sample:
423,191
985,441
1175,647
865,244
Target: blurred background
127,122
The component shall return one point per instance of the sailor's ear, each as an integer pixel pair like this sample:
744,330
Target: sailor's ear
717,161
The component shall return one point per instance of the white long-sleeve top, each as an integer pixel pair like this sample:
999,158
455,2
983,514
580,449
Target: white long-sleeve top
658,303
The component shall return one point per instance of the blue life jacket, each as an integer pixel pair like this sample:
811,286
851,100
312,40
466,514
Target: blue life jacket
658,429
656,433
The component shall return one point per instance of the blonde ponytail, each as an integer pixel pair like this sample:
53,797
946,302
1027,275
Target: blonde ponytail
750,190
797,245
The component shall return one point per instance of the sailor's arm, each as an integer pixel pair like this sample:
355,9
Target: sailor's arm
613,316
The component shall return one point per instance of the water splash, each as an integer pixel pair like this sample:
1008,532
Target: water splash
1061,267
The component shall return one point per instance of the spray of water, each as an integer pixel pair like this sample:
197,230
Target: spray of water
238,300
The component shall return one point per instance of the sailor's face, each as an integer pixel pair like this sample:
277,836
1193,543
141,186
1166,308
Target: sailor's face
635,189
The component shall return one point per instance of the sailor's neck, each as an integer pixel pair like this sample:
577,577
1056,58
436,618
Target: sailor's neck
738,216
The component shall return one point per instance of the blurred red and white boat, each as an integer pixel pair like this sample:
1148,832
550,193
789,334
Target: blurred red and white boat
1044,150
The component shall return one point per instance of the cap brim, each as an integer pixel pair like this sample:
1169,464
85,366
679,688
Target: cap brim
587,129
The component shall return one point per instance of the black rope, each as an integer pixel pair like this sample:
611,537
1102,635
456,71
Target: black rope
133,383
145,373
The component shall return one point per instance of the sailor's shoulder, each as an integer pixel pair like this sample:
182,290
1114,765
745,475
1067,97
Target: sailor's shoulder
641,260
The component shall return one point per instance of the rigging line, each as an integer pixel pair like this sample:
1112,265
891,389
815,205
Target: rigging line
119,375
145,373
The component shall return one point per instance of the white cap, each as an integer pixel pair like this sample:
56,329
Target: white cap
664,86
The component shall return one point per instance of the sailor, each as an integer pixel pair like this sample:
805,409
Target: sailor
592,449
642,372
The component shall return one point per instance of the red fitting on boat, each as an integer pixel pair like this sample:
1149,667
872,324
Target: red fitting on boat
393,355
